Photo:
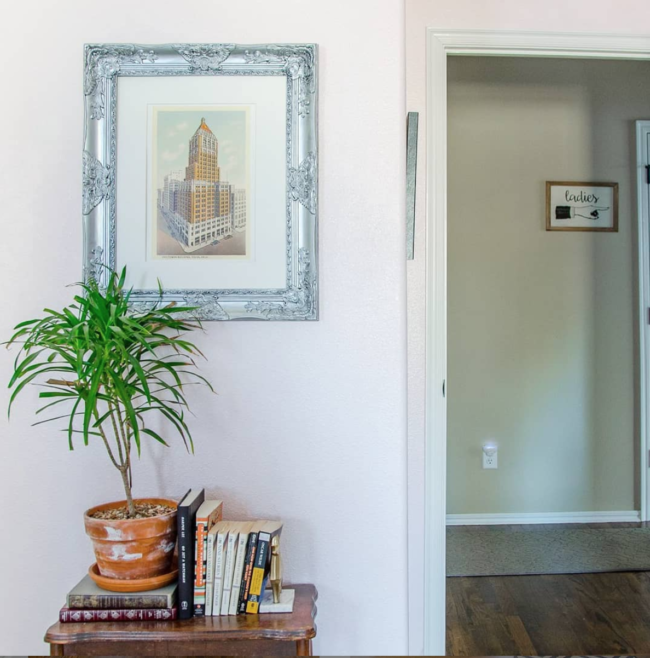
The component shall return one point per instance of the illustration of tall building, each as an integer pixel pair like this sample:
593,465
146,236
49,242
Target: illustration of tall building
240,210
171,187
201,208
204,156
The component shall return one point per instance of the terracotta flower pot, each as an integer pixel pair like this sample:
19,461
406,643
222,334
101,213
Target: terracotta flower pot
131,549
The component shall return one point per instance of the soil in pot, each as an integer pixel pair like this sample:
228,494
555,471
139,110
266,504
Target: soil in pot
133,549
143,511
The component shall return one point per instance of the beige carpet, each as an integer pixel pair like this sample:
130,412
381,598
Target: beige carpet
495,551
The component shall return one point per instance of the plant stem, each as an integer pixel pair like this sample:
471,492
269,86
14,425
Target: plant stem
116,433
124,466
108,447
127,489
126,440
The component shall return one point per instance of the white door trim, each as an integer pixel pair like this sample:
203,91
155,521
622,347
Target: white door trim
440,44
542,517
643,237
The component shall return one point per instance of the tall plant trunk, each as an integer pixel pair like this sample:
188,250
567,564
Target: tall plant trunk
127,489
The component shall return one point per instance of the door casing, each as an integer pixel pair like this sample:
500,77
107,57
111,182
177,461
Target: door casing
643,270
427,562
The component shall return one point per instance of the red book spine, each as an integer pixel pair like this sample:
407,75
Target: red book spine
68,615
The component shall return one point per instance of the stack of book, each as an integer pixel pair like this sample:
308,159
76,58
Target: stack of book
223,566
88,602
223,569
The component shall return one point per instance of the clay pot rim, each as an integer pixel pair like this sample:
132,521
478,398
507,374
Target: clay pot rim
121,503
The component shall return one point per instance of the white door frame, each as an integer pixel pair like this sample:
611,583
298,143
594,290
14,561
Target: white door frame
441,44
643,237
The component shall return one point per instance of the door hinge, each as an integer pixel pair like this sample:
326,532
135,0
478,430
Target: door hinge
647,173
444,386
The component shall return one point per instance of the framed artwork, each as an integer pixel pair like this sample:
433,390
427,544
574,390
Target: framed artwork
574,206
200,170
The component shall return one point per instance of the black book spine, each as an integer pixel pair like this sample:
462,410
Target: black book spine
186,519
248,570
259,564
185,564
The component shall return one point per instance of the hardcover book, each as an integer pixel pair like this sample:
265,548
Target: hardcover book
186,520
220,555
87,595
69,615
251,549
261,565
207,515
233,536
209,573
238,571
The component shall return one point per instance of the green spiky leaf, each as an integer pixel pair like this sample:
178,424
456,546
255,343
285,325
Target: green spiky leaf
104,366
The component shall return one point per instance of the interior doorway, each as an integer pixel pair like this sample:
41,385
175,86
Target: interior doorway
542,352
441,46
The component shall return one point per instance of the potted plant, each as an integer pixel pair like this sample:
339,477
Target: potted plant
108,369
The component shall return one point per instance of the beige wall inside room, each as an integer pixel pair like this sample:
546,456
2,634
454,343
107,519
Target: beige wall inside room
310,421
541,325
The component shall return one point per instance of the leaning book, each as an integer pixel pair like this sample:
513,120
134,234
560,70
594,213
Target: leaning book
86,595
261,564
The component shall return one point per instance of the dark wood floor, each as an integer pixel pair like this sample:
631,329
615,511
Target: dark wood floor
597,614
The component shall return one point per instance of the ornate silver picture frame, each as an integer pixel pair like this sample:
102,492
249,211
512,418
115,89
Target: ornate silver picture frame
295,296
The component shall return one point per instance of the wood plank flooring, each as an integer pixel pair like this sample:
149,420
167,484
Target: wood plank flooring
597,614
577,614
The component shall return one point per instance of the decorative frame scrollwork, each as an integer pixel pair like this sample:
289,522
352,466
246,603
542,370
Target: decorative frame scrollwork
105,63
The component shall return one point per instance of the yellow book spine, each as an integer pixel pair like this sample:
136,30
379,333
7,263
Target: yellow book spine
257,578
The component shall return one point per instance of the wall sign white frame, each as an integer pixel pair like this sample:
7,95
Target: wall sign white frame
580,206
429,562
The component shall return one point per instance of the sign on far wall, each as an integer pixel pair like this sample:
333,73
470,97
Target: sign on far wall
581,206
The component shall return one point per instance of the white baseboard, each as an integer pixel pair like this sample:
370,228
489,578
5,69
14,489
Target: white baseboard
542,517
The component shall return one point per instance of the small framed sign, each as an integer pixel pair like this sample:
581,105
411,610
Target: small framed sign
581,206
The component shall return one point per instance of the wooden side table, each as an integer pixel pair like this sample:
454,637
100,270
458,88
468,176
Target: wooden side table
240,635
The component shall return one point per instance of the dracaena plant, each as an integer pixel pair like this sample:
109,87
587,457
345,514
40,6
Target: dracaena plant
111,369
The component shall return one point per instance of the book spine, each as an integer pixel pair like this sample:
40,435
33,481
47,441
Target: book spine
199,567
258,576
185,564
118,601
248,571
228,572
237,573
218,573
209,574
68,615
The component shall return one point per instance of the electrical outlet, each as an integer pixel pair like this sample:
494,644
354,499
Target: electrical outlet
490,454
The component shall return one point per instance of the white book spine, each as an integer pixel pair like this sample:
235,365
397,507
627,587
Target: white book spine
230,565
209,574
238,572
218,573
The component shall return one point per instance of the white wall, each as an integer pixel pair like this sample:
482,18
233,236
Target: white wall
541,325
586,16
310,421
